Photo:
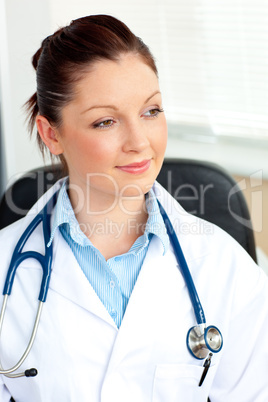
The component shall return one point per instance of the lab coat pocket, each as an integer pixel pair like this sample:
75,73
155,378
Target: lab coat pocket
178,382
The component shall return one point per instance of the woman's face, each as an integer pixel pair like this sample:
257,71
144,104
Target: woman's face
113,136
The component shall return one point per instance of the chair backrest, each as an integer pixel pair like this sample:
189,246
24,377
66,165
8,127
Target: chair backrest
209,192
202,188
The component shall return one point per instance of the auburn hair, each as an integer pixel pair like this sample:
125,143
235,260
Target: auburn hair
66,55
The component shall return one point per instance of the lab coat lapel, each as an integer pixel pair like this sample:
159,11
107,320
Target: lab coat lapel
69,280
141,318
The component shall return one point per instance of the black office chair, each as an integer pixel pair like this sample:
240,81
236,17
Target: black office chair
202,188
209,192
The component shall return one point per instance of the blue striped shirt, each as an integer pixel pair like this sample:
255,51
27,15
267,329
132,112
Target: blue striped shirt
113,280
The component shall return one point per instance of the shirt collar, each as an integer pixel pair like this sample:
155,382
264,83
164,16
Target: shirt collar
155,223
64,214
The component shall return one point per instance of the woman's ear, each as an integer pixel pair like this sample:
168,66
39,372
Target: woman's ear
49,135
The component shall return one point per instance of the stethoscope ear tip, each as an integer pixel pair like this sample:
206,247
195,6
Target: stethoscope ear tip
31,372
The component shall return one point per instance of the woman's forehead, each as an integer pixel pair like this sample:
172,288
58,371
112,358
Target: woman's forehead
105,78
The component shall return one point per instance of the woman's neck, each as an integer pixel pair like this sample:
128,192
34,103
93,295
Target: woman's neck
111,223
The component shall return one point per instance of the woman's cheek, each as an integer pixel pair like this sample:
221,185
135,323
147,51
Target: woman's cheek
162,136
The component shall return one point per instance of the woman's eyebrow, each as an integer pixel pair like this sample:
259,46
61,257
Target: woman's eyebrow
150,97
100,107
114,107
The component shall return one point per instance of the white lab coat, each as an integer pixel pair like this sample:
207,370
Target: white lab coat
81,355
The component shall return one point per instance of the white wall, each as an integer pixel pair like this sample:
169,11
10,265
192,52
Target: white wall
23,24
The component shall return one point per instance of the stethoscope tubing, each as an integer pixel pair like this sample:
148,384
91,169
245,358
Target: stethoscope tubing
46,263
8,372
197,306
45,260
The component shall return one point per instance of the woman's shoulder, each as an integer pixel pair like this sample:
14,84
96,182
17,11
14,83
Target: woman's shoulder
217,262
8,239
10,235
202,240
187,225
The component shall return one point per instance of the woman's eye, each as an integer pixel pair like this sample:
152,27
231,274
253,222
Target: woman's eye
153,112
104,124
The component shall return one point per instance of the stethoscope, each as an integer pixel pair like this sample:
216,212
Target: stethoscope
201,341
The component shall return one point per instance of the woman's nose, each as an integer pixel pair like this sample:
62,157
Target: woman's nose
136,138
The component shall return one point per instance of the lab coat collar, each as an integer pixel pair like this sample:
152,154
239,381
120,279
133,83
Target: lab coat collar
68,279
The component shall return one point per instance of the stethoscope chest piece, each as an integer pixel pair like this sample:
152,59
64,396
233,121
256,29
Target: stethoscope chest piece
201,341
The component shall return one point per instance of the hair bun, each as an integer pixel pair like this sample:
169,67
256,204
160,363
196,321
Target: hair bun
37,55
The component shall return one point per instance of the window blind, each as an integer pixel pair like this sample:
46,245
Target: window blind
212,57
216,77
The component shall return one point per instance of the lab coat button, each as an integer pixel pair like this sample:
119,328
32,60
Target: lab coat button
113,313
112,284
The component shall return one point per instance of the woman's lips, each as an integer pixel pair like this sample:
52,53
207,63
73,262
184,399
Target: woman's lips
136,168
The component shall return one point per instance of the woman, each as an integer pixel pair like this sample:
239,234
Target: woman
117,314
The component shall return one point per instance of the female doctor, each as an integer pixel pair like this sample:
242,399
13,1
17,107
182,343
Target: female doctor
117,314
